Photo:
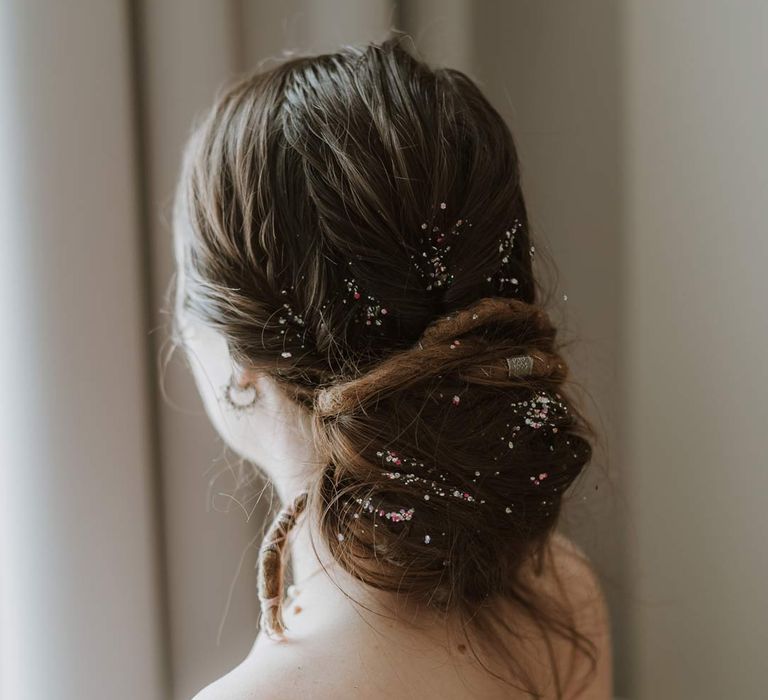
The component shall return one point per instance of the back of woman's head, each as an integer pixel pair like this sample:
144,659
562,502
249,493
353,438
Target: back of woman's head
358,231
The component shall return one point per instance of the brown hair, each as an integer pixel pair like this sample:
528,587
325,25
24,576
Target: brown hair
358,231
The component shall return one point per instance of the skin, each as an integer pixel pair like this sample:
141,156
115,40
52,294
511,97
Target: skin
345,640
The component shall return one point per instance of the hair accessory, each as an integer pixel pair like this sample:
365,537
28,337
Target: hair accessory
435,247
542,410
373,311
505,276
290,319
432,487
435,487
519,366
395,516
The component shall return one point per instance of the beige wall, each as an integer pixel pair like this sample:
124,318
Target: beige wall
696,336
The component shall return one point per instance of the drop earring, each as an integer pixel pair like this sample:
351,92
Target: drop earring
241,398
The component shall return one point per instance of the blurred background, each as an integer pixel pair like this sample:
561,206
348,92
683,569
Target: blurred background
127,564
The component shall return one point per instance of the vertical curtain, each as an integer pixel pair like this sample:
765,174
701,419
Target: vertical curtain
81,612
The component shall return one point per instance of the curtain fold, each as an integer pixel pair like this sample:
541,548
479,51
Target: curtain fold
81,603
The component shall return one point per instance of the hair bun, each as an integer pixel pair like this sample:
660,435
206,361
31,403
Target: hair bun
451,344
446,463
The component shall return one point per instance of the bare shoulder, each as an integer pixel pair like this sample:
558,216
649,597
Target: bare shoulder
571,578
581,585
241,684
279,672
572,569
246,682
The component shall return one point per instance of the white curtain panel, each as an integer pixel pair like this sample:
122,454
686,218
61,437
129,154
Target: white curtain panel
81,593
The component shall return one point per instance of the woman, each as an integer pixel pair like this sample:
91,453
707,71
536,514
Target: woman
355,292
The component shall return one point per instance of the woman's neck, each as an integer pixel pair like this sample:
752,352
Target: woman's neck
318,576
308,550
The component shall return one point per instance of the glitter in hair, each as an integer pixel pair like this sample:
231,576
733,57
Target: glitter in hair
434,249
370,310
